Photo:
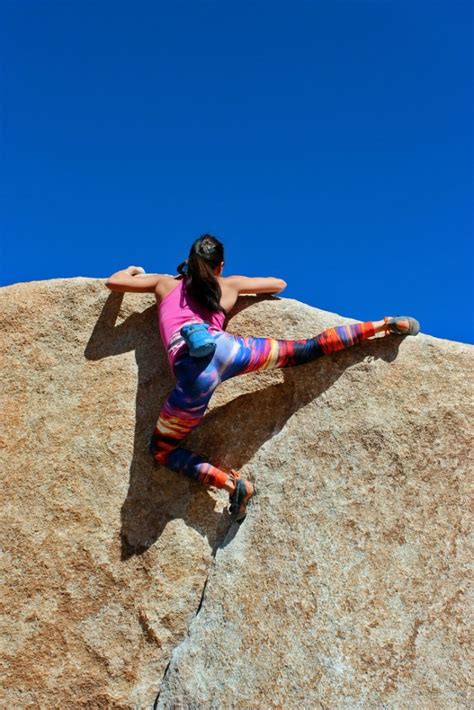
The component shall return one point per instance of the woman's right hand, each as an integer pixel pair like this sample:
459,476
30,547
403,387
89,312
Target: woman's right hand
132,270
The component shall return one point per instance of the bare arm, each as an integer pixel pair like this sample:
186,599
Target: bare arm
256,284
133,280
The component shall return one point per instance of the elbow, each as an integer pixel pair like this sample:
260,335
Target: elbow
282,284
112,286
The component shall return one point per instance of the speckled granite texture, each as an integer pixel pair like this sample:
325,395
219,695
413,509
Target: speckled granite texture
125,584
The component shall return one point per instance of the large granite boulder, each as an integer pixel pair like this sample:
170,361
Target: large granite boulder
127,586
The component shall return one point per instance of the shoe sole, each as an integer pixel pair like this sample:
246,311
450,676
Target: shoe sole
414,328
240,517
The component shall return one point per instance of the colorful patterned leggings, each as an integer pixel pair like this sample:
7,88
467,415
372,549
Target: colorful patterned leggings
197,378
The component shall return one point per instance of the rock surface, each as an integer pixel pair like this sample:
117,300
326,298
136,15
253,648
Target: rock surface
345,587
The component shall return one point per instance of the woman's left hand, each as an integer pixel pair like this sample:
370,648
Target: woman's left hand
132,270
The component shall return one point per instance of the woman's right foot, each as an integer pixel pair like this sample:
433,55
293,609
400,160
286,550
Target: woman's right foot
401,325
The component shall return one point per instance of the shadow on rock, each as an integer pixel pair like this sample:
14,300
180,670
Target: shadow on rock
157,495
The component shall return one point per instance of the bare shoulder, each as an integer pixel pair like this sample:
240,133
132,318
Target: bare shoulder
229,294
165,285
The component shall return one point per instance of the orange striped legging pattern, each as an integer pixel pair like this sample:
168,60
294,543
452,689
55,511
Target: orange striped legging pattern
197,379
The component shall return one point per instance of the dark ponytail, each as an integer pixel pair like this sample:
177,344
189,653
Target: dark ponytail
205,254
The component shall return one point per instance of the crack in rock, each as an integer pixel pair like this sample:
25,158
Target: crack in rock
211,568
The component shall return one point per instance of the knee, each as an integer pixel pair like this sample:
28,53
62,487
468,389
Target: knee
161,457
159,453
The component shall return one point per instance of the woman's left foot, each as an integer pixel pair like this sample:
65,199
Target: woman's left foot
239,499
401,325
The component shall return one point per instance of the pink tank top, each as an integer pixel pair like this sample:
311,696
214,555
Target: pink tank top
176,309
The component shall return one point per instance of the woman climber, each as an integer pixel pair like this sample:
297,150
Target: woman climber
191,309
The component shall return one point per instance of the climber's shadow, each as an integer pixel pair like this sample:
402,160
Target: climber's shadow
157,495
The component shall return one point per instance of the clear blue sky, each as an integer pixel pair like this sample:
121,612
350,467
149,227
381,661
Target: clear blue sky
328,143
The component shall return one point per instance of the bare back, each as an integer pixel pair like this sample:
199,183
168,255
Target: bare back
231,287
166,284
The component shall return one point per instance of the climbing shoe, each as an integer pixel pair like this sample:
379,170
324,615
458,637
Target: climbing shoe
401,325
239,499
